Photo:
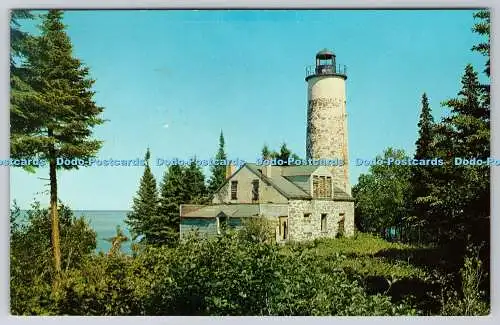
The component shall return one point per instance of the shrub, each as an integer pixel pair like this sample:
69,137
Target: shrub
471,300
229,275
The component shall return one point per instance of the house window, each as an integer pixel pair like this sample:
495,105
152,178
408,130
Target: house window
234,190
255,190
323,222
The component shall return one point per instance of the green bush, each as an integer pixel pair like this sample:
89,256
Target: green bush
471,300
228,275
31,264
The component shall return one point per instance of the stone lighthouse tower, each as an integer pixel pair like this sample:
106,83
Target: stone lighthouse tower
326,115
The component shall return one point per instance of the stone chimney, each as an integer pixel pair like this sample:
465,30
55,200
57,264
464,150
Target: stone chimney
230,169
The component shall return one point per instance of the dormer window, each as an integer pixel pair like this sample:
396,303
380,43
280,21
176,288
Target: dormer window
322,186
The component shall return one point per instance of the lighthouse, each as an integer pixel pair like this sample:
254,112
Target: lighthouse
326,136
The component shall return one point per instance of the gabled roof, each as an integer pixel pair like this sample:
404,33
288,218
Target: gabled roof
287,188
284,184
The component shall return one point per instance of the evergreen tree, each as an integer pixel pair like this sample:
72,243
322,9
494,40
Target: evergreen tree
145,204
286,153
55,117
172,193
266,153
425,136
218,171
460,194
194,181
283,154
483,28
17,37
422,175
19,88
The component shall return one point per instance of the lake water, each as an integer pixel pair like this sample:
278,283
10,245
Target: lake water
104,223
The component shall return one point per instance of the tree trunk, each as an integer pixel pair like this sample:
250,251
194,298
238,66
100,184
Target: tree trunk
54,216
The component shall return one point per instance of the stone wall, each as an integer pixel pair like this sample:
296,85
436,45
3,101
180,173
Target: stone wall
308,228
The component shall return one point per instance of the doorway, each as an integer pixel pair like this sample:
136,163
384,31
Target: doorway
283,228
340,231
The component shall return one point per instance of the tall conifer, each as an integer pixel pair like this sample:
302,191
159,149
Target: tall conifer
218,171
145,204
421,178
266,153
55,116
195,183
172,193
461,192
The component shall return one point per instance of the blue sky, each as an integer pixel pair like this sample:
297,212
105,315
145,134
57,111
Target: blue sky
243,72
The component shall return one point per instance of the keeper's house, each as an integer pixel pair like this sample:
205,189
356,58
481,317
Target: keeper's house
302,200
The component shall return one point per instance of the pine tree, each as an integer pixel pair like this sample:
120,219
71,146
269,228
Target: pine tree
172,193
470,118
19,88
56,116
461,193
145,204
425,127
284,154
218,171
483,28
194,181
266,153
422,175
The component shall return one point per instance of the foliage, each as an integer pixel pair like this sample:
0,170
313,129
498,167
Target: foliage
30,250
53,111
173,192
233,274
106,285
382,194
258,230
422,176
116,241
283,154
218,171
458,195
145,205
59,112
470,302
228,275
18,86
483,29
156,218
195,183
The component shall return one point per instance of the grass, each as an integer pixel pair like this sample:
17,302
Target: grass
381,266
362,255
